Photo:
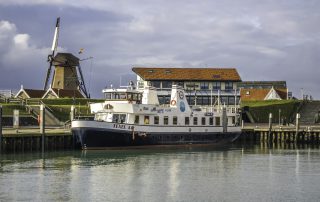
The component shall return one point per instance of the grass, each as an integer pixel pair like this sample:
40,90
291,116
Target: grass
64,101
260,109
62,112
267,103
7,109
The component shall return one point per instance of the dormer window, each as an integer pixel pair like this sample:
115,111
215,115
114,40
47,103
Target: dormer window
168,71
150,71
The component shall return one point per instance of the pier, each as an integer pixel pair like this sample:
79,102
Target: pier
30,139
304,134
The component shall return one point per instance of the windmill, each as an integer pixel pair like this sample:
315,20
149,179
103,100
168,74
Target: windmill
66,69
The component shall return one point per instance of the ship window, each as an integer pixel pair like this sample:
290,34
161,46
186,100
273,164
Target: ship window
130,96
211,121
166,120
122,118
175,120
203,120
186,120
123,96
217,121
156,120
108,95
146,120
136,119
195,120
115,118
233,120
135,96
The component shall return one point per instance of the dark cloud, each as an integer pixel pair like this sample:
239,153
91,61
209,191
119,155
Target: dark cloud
269,40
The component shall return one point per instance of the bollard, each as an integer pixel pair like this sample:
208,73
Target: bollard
0,128
270,127
297,126
42,125
224,119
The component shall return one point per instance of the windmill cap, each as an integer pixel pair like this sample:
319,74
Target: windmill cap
65,59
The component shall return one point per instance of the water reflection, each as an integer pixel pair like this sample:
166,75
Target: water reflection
237,173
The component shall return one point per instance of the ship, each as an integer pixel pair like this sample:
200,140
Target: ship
129,118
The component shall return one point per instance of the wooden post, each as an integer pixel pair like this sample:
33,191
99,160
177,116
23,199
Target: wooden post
224,119
297,126
42,125
0,128
270,127
15,118
72,113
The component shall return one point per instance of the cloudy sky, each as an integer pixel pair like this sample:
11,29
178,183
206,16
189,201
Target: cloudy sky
264,40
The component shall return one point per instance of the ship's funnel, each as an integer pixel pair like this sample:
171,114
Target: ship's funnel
178,99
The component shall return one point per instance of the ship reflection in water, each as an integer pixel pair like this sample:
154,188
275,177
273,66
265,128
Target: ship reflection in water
237,173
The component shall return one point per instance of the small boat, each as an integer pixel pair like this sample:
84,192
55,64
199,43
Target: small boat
132,118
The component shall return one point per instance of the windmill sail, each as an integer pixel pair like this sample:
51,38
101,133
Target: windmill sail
53,49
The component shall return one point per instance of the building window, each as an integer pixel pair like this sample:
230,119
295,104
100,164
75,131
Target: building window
155,84
175,120
180,83
199,100
166,84
156,120
166,120
195,121
140,84
229,85
136,119
216,85
232,100
204,85
224,100
186,120
203,121
205,100
211,121
146,120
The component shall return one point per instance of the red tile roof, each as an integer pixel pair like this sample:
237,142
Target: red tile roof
187,74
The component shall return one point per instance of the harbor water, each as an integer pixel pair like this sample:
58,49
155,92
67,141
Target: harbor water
235,173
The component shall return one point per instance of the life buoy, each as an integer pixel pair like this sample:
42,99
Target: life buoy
173,102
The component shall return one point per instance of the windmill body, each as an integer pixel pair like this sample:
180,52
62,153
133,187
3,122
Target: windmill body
65,72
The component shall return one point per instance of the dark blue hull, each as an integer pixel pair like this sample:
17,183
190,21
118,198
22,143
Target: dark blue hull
93,138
